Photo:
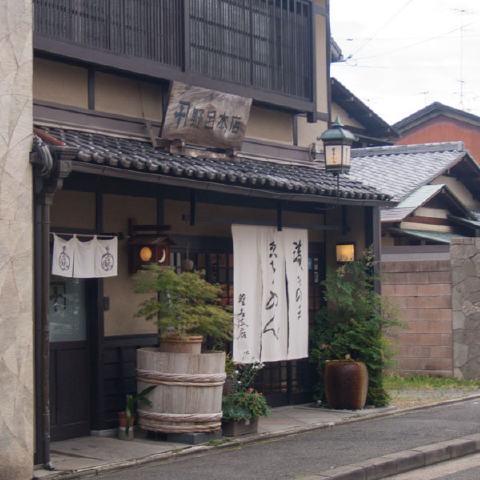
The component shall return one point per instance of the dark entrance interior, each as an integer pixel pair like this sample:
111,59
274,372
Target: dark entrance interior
69,318
283,383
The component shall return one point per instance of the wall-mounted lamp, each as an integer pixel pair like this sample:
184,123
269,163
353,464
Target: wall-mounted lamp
345,252
148,250
337,143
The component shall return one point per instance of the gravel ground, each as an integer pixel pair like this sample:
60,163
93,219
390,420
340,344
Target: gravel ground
406,398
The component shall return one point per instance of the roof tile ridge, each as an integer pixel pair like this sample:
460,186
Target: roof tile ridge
413,148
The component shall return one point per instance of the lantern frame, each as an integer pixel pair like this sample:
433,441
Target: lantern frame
337,144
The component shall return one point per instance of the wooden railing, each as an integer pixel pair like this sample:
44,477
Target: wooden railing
264,44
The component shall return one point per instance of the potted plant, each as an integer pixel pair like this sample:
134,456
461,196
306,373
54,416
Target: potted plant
350,343
242,405
187,309
126,418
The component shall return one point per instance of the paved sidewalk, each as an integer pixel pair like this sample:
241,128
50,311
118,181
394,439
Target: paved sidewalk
92,455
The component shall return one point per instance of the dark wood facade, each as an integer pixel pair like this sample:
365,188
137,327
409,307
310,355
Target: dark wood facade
246,46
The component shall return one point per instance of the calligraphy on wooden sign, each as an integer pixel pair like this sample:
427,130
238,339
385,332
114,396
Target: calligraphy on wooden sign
206,117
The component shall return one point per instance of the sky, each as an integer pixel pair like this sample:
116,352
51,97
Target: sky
401,55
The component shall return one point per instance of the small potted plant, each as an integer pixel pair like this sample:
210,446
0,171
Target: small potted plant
126,418
242,405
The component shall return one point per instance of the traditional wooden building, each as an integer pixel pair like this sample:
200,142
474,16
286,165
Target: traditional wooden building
102,83
436,190
440,123
435,187
369,128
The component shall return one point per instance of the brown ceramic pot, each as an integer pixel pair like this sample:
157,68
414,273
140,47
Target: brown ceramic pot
346,384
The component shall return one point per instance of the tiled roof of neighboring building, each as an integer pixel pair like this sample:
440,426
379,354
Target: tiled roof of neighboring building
432,110
361,112
262,174
411,203
399,170
407,206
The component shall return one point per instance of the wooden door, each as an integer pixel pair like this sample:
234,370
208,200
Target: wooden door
69,357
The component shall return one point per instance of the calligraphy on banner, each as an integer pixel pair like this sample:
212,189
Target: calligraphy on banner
206,117
271,294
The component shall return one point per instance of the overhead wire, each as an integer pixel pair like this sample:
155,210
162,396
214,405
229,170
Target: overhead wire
387,22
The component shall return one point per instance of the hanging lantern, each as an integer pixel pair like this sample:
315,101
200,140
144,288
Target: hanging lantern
148,250
345,252
337,143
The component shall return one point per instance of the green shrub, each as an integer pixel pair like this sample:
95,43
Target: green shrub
183,304
244,405
353,323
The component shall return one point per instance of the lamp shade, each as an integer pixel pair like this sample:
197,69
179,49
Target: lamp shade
337,143
147,250
345,252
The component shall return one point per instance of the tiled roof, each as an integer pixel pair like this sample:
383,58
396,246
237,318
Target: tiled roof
401,169
440,237
135,154
432,110
360,111
407,206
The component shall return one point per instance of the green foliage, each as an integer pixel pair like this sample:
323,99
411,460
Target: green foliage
427,382
354,323
132,401
244,403
184,303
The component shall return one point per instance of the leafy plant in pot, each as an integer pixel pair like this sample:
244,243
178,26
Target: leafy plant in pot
126,418
350,343
242,405
185,307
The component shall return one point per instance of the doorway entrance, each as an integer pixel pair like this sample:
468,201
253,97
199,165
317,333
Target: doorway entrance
282,383
69,357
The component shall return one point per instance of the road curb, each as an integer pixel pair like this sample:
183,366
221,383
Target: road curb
400,462
262,437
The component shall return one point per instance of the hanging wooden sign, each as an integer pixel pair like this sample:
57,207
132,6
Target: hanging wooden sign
206,117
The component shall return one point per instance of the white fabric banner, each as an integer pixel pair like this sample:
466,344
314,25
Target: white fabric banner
270,294
106,257
296,260
274,296
84,258
93,258
62,257
247,294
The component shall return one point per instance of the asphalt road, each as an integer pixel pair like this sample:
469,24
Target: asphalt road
313,452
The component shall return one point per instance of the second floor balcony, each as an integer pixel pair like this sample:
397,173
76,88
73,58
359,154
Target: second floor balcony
257,48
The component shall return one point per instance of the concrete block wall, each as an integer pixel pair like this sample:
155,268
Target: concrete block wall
422,291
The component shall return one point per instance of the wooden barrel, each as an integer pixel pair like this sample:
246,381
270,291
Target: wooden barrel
188,396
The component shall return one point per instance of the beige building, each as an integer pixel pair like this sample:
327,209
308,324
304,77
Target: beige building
100,92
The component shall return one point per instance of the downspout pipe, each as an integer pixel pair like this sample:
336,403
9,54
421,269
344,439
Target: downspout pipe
48,178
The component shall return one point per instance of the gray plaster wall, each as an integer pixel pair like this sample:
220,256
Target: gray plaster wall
16,243
465,262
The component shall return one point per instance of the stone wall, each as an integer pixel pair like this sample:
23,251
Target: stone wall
421,290
465,260
16,244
